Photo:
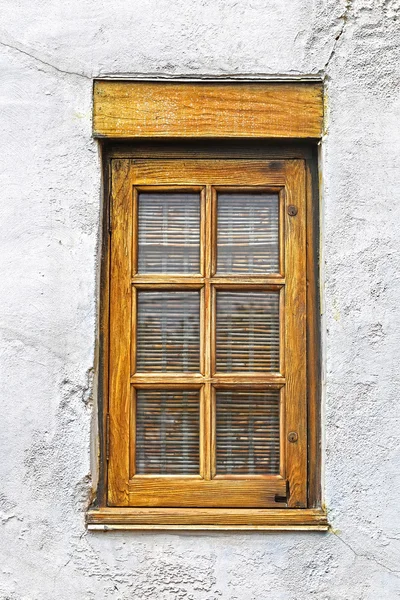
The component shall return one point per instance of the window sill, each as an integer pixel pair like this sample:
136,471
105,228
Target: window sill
107,519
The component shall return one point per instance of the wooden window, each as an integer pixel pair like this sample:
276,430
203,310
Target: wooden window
209,327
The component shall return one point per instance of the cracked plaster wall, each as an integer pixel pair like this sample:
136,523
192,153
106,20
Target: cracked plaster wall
50,182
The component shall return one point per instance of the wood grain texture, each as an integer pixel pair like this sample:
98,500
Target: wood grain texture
269,175
186,518
120,336
295,334
185,492
288,175
223,150
124,109
207,492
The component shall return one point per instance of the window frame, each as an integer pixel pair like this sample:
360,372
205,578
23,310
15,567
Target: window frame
126,487
100,516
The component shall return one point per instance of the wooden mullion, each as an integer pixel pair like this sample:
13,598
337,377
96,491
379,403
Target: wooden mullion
246,380
206,437
168,379
165,285
250,280
206,446
227,283
168,280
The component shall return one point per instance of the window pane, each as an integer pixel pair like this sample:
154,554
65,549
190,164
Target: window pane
169,233
167,432
248,432
248,233
247,331
168,335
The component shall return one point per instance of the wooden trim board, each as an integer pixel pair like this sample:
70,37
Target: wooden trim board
195,518
128,109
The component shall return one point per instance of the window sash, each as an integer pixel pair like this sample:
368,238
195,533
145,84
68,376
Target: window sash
210,176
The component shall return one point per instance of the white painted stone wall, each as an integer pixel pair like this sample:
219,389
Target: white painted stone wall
50,50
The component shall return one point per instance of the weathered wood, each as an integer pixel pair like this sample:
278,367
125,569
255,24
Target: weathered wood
261,175
203,518
313,339
227,490
264,282
120,332
295,334
201,110
170,280
184,491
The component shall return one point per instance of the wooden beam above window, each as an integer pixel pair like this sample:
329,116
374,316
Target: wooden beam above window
127,109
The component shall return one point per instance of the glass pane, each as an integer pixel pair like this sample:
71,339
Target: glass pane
247,331
169,232
248,233
248,432
167,432
168,331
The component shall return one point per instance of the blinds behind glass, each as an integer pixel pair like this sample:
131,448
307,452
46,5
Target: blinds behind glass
247,432
167,432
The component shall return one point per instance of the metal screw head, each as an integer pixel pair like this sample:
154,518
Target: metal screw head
292,210
293,437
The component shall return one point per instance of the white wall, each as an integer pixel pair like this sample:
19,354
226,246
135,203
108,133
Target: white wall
50,209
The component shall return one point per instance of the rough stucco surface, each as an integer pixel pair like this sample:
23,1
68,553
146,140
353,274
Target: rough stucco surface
50,216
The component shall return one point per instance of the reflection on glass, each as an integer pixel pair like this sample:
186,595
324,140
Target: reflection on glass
168,331
248,233
169,232
247,432
247,331
167,432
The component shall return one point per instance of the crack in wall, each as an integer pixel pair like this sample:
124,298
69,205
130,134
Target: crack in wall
43,62
344,18
366,556
151,76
